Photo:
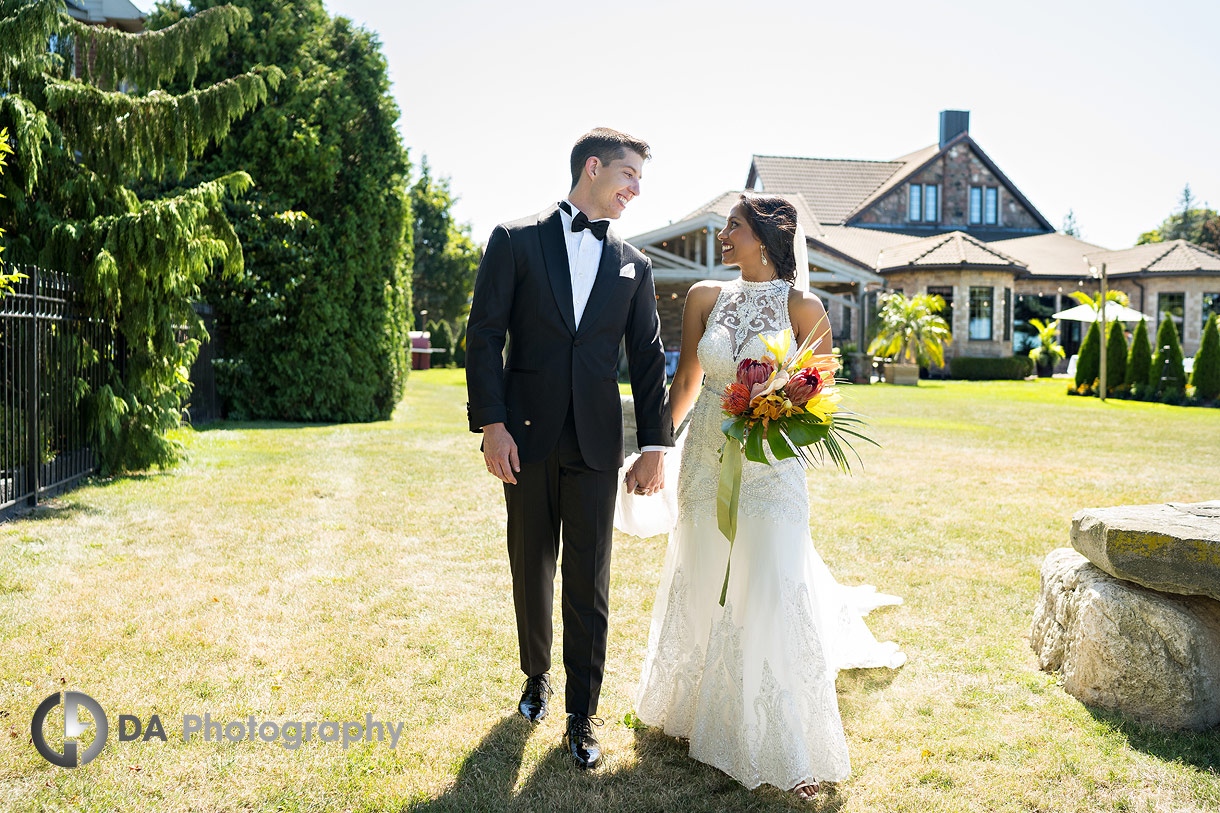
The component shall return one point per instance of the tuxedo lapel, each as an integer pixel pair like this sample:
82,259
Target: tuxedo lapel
555,257
607,273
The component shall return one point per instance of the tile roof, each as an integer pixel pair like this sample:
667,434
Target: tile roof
1051,254
1174,256
721,204
910,162
833,187
954,248
862,245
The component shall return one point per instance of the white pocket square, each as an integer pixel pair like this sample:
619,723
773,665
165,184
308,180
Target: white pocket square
627,271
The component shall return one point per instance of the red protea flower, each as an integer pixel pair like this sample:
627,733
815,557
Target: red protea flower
803,385
736,398
751,372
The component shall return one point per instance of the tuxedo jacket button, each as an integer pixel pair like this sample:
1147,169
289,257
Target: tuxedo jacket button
576,343
527,423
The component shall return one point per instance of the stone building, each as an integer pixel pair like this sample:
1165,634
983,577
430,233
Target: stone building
944,220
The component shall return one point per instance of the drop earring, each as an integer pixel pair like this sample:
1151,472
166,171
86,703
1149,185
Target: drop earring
763,252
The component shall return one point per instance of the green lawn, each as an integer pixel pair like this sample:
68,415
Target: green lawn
322,572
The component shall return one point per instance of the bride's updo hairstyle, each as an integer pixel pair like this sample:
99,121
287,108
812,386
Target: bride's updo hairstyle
773,221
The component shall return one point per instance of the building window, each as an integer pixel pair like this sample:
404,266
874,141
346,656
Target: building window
991,205
945,292
923,203
1008,314
980,313
1211,304
846,334
976,205
1174,305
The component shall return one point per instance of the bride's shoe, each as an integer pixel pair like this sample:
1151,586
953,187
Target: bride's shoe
807,792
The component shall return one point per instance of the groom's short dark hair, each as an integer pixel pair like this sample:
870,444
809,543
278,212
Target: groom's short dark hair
608,145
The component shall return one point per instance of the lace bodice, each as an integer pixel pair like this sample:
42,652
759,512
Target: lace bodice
743,311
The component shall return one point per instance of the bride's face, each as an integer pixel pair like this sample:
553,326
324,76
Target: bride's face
738,240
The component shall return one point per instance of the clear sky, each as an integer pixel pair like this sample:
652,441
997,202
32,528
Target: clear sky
1107,108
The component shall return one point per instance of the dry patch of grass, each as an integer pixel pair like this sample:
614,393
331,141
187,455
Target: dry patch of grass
326,572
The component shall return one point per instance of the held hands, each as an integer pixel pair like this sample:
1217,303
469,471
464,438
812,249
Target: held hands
500,452
647,474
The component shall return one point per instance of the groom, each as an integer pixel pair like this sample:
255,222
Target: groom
562,291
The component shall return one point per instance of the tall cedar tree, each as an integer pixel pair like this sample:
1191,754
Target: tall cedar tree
1168,374
315,328
446,259
1088,365
1206,374
443,338
1139,360
1116,357
89,136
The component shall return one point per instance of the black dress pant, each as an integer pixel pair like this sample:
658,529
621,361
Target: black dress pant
561,498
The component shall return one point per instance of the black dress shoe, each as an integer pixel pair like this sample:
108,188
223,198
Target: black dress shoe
535,695
582,745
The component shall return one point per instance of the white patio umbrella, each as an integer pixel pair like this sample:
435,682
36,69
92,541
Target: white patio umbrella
1114,313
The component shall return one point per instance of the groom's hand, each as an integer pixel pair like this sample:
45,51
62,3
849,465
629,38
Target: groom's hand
647,474
500,452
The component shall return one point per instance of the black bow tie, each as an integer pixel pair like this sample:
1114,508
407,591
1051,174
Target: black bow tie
596,227
580,222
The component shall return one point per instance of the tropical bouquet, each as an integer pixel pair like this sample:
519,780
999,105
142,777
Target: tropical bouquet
787,402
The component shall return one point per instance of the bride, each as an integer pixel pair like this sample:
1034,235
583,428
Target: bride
751,684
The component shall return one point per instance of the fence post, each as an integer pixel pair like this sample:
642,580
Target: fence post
32,457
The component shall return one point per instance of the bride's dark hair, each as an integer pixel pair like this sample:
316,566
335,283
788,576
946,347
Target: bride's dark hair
773,221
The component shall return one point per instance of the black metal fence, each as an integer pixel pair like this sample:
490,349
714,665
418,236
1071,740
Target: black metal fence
51,357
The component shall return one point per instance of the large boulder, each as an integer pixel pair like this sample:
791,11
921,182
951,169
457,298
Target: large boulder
1120,646
1173,547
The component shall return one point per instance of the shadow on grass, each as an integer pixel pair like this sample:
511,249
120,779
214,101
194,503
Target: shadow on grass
1198,748
662,778
866,681
256,426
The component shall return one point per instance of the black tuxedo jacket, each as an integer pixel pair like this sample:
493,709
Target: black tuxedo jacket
523,300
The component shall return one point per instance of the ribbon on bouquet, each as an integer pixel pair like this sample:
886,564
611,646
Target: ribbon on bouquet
728,495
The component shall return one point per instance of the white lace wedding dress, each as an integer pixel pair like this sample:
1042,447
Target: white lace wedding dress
751,684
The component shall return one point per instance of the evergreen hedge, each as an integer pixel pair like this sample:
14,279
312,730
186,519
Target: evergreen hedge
983,368
1139,361
1116,357
1206,375
1167,378
315,327
1088,361
459,349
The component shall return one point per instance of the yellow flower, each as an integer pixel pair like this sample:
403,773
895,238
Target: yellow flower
778,345
824,404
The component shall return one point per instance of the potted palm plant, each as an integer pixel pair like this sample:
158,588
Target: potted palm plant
912,334
1048,351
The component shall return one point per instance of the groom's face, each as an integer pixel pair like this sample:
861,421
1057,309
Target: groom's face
615,184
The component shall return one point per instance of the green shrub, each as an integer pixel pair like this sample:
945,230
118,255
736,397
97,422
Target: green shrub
982,368
1168,375
459,349
1116,358
1206,375
1139,361
443,338
1088,362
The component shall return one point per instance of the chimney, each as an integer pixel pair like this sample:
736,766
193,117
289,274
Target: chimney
953,123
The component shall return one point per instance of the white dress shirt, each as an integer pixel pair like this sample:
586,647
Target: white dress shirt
584,256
